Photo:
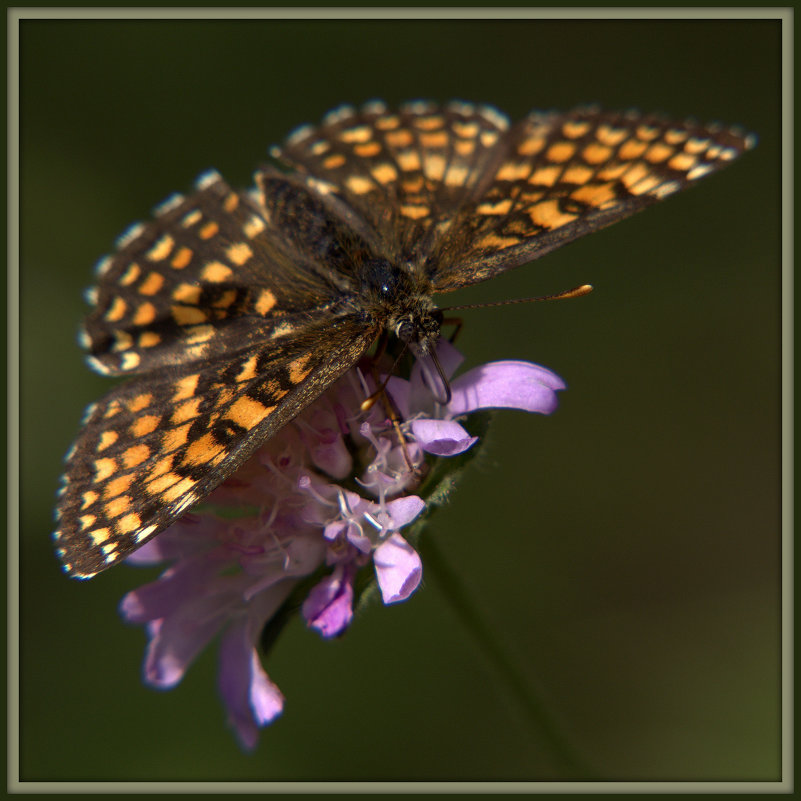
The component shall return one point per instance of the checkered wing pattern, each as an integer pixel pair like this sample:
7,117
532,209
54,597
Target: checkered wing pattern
460,192
155,445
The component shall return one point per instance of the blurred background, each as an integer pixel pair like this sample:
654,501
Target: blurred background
625,551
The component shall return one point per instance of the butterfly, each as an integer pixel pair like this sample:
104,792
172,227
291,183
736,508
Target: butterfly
232,311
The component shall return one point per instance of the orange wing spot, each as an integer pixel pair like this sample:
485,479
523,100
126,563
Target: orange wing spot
87,520
467,130
152,284
187,410
239,253
632,149
122,341
299,369
408,160
224,394
431,123
181,258
456,175
367,149
225,300
139,402
636,173
545,176
188,315
675,136
658,152
176,438
231,202
186,387
130,275
609,135
560,152
547,215
161,467
248,370
149,339
414,212
399,138
613,171
107,438
116,506
158,486
145,314
216,272
119,485
384,173
464,147
594,194
136,455
531,146
247,412
117,310
578,174
696,146
359,185
413,185
187,293
253,227
104,468
199,333
646,185
209,230
493,241
433,141
434,167
318,148
513,171
191,218
574,129
129,523
361,133
143,426
713,152
387,123
501,207
488,138
333,161
179,489
99,535
647,132
595,153
161,249
202,450
129,361
265,301
89,497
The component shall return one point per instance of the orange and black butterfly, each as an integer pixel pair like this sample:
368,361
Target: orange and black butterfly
232,311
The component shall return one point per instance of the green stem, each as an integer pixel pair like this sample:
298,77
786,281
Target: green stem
545,727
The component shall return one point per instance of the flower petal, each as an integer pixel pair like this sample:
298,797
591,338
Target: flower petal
250,698
442,437
398,569
328,608
508,385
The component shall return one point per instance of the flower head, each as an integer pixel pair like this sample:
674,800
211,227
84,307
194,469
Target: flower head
323,500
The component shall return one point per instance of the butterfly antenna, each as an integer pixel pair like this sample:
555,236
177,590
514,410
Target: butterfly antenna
576,292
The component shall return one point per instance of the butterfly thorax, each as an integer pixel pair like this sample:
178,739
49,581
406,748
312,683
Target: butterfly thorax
398,299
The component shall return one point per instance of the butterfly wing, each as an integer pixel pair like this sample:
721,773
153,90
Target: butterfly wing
156,444
404,172
457,191
565,175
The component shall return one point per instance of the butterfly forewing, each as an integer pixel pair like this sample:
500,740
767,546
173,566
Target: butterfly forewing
155,445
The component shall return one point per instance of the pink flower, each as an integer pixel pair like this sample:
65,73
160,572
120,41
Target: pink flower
305,532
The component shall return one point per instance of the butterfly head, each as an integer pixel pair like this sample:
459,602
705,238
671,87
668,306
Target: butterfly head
405,306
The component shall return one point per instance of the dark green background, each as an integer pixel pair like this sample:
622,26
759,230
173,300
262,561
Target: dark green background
625,551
